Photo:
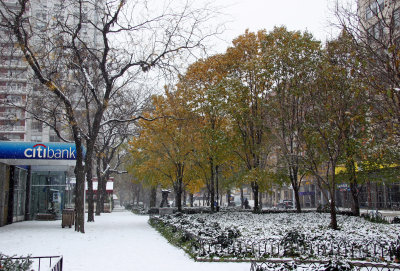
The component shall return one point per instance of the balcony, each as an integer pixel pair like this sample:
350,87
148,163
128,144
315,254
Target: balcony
12,129
11,115
19,79
12,53
13,90
13,65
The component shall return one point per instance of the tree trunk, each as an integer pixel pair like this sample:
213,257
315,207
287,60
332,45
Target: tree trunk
178,194
184,197
254,187
99,195
297,198
191,197
351,168
79,196
333,224
333,199
296,187
89,178
104,194
99,187
137,195
153,196
355,206
241,197
228,197
217,187
212,187
260,201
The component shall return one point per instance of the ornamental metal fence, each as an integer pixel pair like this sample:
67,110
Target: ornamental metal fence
267,248
224,246
52,263
322,266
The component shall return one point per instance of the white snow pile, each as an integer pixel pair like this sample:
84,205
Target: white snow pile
240,235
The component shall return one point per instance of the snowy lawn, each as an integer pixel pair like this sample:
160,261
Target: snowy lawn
247,235
116,241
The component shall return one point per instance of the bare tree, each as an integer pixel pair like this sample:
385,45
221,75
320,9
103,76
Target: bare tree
85,53
374,28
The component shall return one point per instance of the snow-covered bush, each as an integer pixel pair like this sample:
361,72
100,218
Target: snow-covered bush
299,266
292,242
306,235
337,266
396,220
10,264
395,249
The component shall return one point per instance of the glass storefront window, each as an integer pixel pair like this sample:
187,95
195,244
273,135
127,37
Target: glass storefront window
48,191
20,176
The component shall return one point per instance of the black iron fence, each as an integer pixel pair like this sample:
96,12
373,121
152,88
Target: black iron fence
267,248
322,266
53,263
226,247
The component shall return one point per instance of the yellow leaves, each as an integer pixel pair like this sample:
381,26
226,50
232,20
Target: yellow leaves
195,185
164,143
50,85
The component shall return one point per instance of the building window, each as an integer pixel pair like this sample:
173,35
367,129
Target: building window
37,126
13,137
375,31
36,138
396,18
374,8
14,99
54,138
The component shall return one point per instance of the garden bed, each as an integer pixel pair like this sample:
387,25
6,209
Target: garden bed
248,236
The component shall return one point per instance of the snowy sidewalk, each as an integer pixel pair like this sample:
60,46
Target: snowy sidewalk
116,241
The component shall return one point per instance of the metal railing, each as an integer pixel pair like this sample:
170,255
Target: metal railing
322,265
267,248
53,263
270,248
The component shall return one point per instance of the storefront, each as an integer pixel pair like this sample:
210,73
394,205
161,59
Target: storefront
34,180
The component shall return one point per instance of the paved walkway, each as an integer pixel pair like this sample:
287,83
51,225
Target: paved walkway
116,241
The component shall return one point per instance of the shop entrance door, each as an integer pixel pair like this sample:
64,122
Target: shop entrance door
47,193
20,176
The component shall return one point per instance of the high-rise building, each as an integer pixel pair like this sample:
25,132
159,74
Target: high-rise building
379,19
29,188
13,87
16,83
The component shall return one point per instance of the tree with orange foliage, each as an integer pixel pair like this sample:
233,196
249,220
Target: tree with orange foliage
249,84
204,86
165,143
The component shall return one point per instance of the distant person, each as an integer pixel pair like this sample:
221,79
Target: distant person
246,204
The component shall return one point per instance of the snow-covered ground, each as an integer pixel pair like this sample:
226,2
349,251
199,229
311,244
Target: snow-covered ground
116,241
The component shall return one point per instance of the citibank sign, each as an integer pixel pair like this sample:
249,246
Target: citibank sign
40,151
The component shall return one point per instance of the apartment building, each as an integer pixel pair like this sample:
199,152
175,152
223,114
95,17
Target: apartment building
17,86
380,20
33,186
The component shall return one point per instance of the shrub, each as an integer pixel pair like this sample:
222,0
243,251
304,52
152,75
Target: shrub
292,241
10,264
337,266
374,217
396,220
394,250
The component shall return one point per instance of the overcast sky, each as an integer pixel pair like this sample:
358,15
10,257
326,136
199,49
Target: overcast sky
311,15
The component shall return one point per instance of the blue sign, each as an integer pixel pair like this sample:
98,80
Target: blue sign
37,150
307,193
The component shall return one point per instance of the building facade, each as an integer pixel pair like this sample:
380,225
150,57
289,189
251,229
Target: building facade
31,186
